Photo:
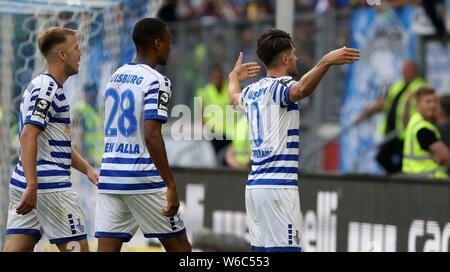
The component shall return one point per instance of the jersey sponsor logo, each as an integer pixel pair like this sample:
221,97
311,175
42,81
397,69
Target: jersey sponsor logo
163,100
41,108
122,148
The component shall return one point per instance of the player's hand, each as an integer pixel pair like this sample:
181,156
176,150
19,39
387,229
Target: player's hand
172,203
92,176
244,70
342,55
28,201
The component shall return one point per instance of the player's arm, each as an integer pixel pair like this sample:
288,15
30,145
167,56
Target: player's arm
28,150
36,120
241,71
308,83
157,149
83,166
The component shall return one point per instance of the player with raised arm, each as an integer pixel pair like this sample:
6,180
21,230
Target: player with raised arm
41,197
271,196
136,188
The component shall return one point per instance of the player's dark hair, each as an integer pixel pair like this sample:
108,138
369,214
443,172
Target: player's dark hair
51,37
423,92
271,43
147,30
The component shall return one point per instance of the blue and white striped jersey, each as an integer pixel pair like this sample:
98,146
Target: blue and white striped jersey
44,105
274,123
134,93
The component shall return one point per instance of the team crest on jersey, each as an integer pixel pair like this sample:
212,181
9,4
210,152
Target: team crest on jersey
41,108
163,100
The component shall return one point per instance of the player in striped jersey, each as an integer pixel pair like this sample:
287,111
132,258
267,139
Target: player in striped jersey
41,198
136,188
272,198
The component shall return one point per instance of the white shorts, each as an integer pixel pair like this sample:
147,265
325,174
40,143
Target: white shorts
273,217
120,215
58,215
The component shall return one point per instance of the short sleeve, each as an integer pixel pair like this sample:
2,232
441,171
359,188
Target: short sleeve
426,138
156,100
280,94
40,105
240,102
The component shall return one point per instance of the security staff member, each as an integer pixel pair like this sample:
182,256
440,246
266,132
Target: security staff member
394,120
424,153
216,93
239,152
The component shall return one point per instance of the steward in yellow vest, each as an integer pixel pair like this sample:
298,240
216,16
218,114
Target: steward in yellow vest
216,93
424,153
397,108
92,131
239,152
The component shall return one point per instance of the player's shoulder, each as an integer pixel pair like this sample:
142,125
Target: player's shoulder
286,80
44,85
44,79
253,90
148,72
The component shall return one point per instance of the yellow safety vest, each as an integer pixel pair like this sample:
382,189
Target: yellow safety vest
241,142
394,90
211,96
415,159
92,131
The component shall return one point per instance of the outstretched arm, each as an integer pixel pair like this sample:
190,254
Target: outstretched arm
308,83
241,71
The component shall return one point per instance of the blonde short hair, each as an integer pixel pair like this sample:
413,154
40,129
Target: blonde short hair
51,37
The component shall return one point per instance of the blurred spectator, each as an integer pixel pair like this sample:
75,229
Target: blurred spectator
196,61
424,152
211,10
215,93
88,127
247,44
395,117
443,120
239,152
305,45
321,6
259,9
167,12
